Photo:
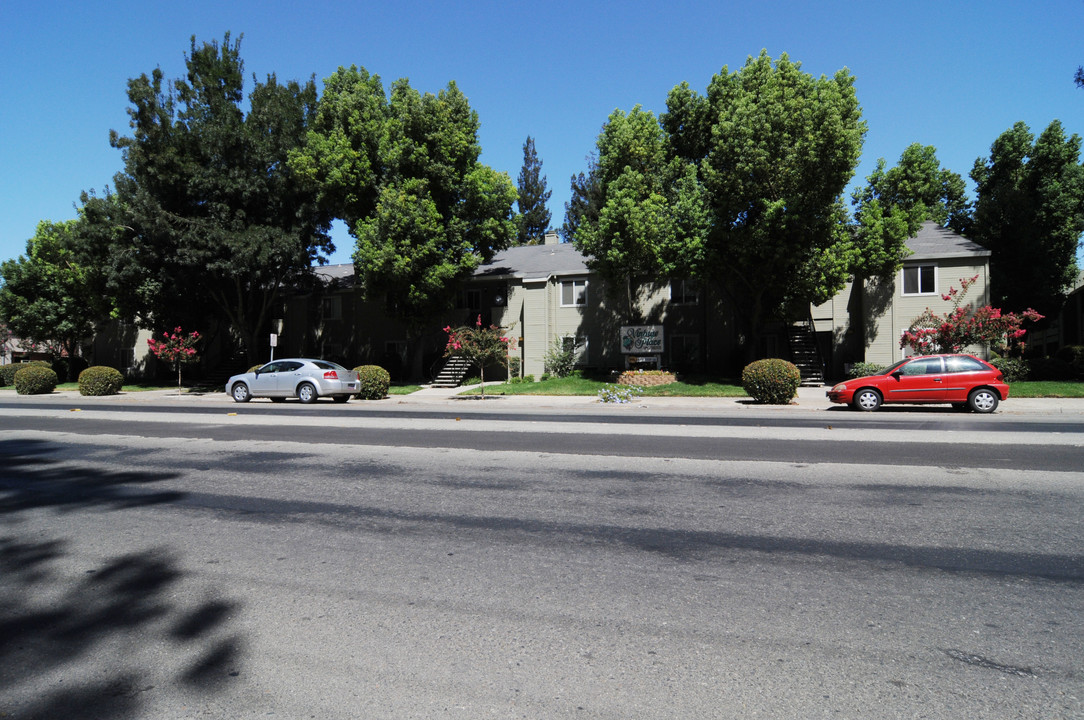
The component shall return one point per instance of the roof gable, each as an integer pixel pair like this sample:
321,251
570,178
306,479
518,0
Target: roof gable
933,241
528,262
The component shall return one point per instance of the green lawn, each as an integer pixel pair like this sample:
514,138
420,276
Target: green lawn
688,387
1046,389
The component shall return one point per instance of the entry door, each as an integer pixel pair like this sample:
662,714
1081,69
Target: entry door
921,380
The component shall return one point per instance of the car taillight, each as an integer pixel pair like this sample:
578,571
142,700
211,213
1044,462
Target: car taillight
331,375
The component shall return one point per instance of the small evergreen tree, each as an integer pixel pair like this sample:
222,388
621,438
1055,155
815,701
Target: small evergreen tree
534,217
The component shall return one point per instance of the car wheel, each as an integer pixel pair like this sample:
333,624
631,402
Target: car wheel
306,393
341,398
867,400
983,400
240,392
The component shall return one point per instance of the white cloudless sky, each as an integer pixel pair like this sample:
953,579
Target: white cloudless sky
950,74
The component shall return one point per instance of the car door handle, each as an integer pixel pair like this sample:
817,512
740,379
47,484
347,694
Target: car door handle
937,379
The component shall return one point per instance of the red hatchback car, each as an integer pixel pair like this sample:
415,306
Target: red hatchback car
963,380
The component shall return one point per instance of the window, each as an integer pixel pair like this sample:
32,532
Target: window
959,363
928,366
331,308
684,292
920,280
470,299
573,293
684,350
578,345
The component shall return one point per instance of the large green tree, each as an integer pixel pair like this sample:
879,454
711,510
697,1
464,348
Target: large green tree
1029,213
896,201
740,189
218,222
403,172
534,217
651,217
51,297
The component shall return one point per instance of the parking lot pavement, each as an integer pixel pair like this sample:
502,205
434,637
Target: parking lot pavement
810,399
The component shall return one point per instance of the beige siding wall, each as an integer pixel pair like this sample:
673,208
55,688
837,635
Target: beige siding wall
886,329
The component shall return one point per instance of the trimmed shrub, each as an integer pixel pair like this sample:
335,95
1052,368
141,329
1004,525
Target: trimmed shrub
35,380
7,372
865,369
373,382
100,380
771,381
1012,369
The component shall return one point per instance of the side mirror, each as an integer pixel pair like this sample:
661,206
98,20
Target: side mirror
897,374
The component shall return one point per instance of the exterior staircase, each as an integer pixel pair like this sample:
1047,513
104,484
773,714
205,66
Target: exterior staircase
805,353
453,372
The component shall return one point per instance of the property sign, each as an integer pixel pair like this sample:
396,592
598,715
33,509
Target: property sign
642,339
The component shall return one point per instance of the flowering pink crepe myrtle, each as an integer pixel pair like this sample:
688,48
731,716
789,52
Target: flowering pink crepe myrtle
479,345
175,348
964,326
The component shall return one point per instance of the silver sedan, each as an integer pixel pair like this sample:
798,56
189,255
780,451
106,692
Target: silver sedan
303,378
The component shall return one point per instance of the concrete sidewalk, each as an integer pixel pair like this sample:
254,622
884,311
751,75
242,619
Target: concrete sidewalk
810,399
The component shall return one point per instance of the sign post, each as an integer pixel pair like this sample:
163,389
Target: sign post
274,344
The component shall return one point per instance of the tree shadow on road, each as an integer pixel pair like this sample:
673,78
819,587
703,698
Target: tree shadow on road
102,637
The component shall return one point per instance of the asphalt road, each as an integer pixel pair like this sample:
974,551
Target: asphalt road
168,563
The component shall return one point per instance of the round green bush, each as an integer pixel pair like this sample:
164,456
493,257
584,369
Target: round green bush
100,380
35,380
373,382
1012,369
7,372
771,381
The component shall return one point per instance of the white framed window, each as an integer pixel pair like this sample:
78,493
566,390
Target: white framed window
578,345
684,292
573,293
919,279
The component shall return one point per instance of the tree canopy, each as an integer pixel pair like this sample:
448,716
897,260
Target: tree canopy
402,170
50,297
741,188
218,222
534,217
895,202
1030,215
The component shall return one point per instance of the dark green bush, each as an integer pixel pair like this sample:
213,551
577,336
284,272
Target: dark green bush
373,382
1012,369
7,372
100,380
35,380
1049,369
864,369
1074,355
771,381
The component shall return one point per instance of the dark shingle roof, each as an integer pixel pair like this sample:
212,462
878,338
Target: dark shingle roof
528,262
934,241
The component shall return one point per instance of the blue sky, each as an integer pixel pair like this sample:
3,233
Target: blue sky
949,74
